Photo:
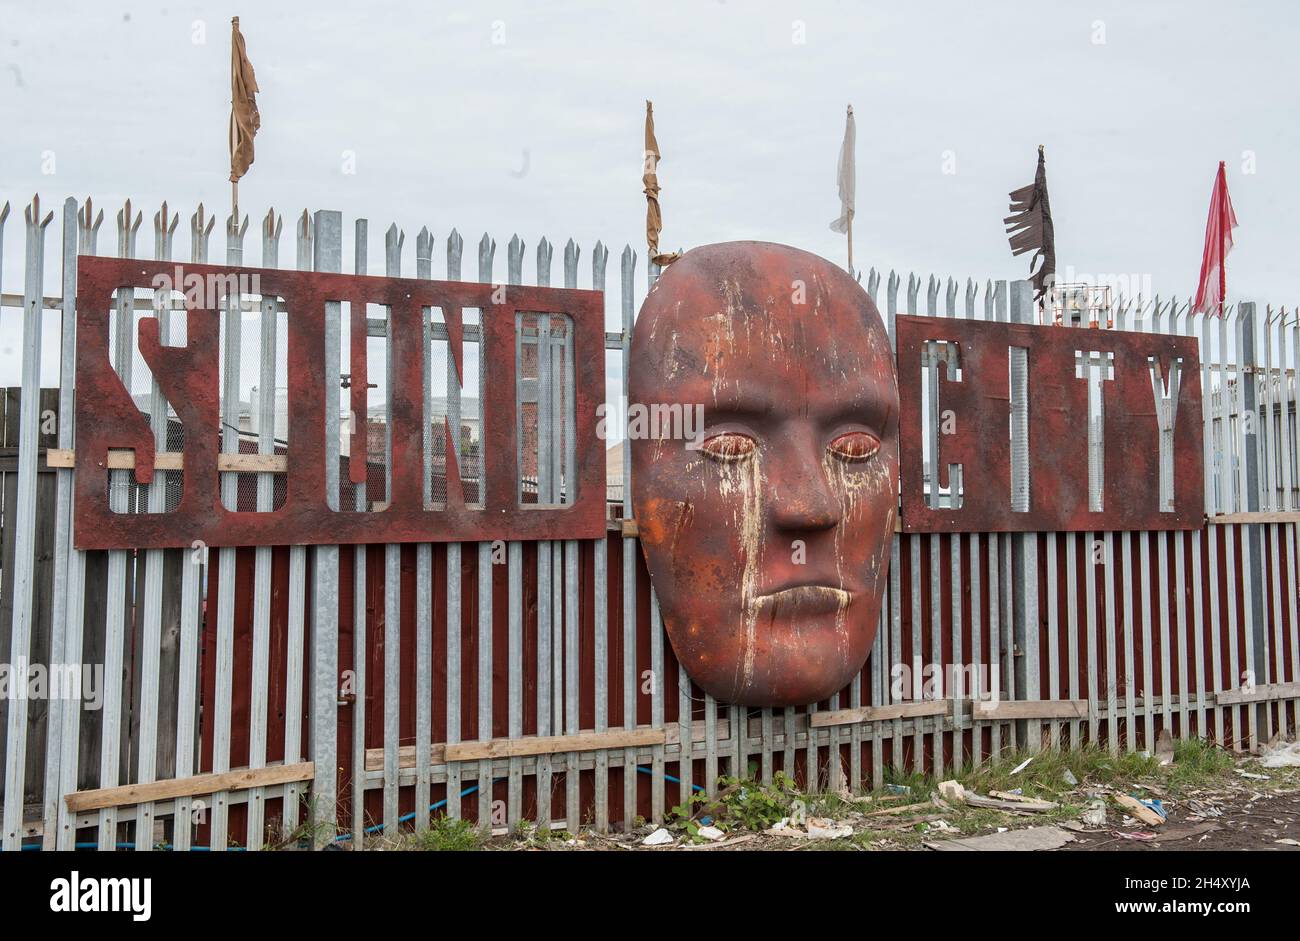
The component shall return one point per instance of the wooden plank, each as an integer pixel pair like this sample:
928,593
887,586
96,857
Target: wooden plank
1267,516
1033,709
907,710
551,744
188,787
520,747
1263,692
175,460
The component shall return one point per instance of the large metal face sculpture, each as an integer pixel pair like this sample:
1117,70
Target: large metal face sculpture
767,536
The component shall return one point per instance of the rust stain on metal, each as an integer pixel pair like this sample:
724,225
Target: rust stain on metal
107,417
975,430
767,534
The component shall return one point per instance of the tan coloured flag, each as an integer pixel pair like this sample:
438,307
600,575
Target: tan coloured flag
244,119
654,221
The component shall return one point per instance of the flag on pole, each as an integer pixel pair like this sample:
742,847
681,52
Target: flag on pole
244,119
846,176
1029,228
1211,291
654,221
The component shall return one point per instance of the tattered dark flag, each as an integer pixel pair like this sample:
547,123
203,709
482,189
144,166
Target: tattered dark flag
1029,228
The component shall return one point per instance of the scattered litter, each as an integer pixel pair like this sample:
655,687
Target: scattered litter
1034,838
1202,809
1022,766
1070,779
1165,747
660,837
1182,833
1251,775
706,821
1095,815
944,826
1282,756
898,789
1139,835
1288,842
1140,809
1157,806
952,791
713,846
710,833
1003,829
1017,795
821,829
901,809
1016,803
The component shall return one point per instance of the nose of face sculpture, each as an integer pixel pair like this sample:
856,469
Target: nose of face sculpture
766,531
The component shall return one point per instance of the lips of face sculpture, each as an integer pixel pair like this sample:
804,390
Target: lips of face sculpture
768,539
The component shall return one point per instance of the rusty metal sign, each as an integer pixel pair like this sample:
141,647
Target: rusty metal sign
108,419
1035,428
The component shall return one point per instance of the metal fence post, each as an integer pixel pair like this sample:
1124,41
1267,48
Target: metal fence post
1024,548
1253,534
328,252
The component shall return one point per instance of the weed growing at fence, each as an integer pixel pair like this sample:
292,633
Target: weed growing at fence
315,829
1196,759
745,805
448,835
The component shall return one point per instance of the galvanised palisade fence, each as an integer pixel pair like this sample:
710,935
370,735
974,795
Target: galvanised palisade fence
368,689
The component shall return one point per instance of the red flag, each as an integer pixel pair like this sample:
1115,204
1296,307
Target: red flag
1212,288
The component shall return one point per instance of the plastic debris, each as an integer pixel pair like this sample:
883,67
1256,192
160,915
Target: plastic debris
1095,815
1252,775
821,829
1022,766
1069,778
710,833
660,837
1282,756
1157,806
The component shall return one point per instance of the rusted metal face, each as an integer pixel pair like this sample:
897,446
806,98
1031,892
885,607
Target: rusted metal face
107,417
1141,380
766,532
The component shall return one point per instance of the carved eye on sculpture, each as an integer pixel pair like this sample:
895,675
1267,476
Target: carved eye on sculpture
855,447
729,446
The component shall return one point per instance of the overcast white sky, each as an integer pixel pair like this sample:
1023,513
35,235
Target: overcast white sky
527,117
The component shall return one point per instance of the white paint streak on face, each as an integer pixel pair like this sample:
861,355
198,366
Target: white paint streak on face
742,482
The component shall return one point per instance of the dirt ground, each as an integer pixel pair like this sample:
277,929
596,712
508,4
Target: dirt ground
1246,821
1211,799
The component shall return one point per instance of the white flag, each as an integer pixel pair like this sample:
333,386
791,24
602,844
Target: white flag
847,179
